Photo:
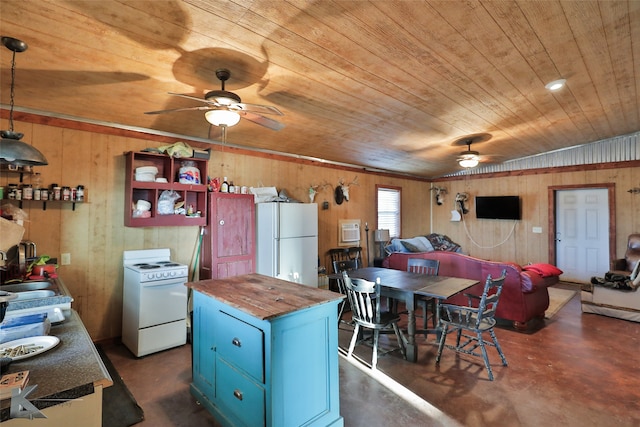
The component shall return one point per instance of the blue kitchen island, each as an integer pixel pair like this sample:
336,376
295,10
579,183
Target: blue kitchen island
265,352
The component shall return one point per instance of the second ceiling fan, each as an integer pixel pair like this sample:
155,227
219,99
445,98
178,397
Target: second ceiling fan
225,108
470,158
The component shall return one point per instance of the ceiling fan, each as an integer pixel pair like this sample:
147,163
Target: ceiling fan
225,108
470,158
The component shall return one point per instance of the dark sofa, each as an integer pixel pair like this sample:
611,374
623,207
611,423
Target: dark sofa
524,295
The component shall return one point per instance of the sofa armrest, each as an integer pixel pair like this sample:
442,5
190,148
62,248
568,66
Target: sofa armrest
532,281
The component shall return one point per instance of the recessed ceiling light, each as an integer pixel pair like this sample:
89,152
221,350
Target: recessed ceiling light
556,84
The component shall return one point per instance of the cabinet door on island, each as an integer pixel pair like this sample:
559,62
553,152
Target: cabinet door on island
281,371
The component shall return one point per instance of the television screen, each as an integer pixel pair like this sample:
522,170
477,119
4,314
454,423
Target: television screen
498,207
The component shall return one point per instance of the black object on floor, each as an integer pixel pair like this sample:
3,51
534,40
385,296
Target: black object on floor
119,407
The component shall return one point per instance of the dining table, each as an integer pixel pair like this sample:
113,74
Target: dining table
405,286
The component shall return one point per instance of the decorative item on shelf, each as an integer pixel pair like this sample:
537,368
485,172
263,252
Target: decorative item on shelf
439,192
381,237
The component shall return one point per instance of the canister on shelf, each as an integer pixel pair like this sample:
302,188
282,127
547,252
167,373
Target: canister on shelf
66,193
80,193
57,193
27,192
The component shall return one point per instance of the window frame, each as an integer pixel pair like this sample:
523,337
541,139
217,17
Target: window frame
399,213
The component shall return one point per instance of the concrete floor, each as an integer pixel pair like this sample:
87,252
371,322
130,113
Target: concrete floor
576,370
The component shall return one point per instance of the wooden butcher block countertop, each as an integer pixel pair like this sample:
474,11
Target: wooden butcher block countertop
262,296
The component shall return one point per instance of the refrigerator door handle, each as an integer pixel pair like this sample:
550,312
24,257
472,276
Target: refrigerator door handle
276,257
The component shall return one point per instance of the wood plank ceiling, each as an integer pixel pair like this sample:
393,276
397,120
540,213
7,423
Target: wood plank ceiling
380,84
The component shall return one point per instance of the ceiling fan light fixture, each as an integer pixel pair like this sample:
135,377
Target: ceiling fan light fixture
555,85
469,162
222,117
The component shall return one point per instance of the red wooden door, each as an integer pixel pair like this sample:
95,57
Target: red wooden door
229,239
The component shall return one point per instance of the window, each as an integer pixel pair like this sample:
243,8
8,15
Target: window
388,208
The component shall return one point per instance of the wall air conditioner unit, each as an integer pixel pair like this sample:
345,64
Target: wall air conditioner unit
349,232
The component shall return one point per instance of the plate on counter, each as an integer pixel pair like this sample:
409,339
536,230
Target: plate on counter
28,347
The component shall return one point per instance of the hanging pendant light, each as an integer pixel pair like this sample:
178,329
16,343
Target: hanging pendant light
12,150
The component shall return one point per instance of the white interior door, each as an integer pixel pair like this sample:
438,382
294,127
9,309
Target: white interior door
582,233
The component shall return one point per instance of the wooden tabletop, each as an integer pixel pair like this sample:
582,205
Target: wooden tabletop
441,287
262,296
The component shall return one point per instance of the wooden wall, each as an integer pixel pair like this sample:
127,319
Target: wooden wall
95,236
501,240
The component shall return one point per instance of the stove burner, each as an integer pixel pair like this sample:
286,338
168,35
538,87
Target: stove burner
147,266
171,264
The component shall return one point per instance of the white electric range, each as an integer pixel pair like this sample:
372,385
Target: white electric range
154,301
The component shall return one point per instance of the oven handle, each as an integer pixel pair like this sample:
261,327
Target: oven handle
164,282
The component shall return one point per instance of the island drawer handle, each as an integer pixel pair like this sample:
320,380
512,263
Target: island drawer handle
237,394
236,342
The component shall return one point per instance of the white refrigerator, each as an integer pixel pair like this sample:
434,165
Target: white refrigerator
287,241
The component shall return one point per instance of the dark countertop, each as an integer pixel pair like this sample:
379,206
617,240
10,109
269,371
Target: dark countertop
68,371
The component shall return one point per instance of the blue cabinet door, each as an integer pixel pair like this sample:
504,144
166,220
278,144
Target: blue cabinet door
203,345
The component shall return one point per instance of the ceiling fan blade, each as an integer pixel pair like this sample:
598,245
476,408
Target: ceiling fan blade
193,98
202,108
256,108
261,120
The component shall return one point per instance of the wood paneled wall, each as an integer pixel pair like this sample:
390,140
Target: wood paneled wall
95,236
515,240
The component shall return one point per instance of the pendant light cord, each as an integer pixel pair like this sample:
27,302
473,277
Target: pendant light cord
13,78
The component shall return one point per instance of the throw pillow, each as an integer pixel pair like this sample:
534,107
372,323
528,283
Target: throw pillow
544,270
410,246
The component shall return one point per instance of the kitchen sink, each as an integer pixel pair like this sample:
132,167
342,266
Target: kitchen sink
29,286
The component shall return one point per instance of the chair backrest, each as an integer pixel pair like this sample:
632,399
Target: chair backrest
429,267
340,266
489,299
364,297
346,254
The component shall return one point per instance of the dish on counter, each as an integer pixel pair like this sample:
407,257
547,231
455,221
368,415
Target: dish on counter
28,347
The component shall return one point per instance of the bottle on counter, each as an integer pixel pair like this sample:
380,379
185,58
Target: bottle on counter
232,188
224,187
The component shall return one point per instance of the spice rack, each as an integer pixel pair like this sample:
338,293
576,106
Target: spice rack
34,199
193,195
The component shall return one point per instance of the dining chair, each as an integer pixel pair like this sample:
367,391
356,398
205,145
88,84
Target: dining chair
428,267
346,254
339,267
471,322
364,297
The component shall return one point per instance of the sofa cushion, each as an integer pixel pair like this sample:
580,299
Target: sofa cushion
544,270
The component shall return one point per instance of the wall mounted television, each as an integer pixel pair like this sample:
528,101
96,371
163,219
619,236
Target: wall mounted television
498,207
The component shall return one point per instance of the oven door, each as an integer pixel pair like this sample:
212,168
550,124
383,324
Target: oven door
162,301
